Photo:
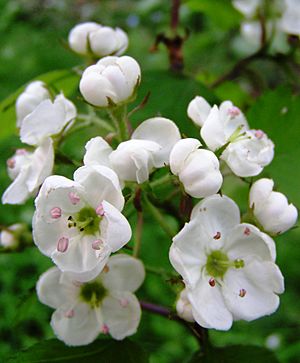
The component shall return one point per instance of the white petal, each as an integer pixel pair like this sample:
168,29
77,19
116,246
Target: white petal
179,153
260,282
124,273
130,68
52,292
188,252
17,192
97,152
100,183
247,7
162,131
198,110
122,319
184,307
260,191
245,240
216,214
78,36
41,164
212,131
103,41
208,306
115,229
81,329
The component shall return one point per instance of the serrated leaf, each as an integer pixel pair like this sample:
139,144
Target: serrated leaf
235,354
102,351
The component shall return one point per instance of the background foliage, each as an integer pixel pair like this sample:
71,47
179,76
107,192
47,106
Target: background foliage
33,42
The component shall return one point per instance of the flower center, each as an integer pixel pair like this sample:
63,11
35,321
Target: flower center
86,221
93,293
218,263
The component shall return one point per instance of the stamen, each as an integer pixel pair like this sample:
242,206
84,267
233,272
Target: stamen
69,314
55,212
21,152
247,231
217,235
100,210
259,134
74,198
242,292
62,244
98,244
212,282
11,163
124,303
233,111
104,329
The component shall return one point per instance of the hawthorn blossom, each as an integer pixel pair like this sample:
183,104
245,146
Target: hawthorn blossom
104,305
228,267
135,159
270,208
33,95
111,81
197,169
184,308
98,40
248,155
47,119
9,237
78,223
28,170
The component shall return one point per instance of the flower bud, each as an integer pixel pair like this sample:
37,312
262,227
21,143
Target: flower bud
198,110
184,308
33,95
270,208
99,40
111,81
197,169
15,236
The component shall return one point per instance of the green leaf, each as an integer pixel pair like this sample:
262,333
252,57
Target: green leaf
277,113
235,354
61,80
102,351
220,12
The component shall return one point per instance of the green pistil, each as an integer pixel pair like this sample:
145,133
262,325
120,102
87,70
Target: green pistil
218,263
86,221
93,293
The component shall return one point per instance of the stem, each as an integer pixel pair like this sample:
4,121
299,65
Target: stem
159,217
119,118
175,14
138,234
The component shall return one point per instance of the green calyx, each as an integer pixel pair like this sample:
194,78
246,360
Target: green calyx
93,293
218,263
86,221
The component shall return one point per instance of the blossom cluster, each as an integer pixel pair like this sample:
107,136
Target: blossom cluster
227,264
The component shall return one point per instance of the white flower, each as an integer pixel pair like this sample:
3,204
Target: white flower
135,159
197,169
100,40
184,308
250,154
9,237
112,80
28,170
33,95
104,305
270,208
222,125
228,268
78,223
290,20
47,119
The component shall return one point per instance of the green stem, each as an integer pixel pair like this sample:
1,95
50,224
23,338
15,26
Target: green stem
159,217
119,117
163,180
138,234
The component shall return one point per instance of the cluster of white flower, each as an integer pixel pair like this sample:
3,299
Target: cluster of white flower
279,17
228,267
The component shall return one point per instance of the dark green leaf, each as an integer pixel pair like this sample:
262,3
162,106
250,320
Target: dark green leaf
102,351
235,354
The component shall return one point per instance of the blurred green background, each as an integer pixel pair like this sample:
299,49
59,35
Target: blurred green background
33,41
